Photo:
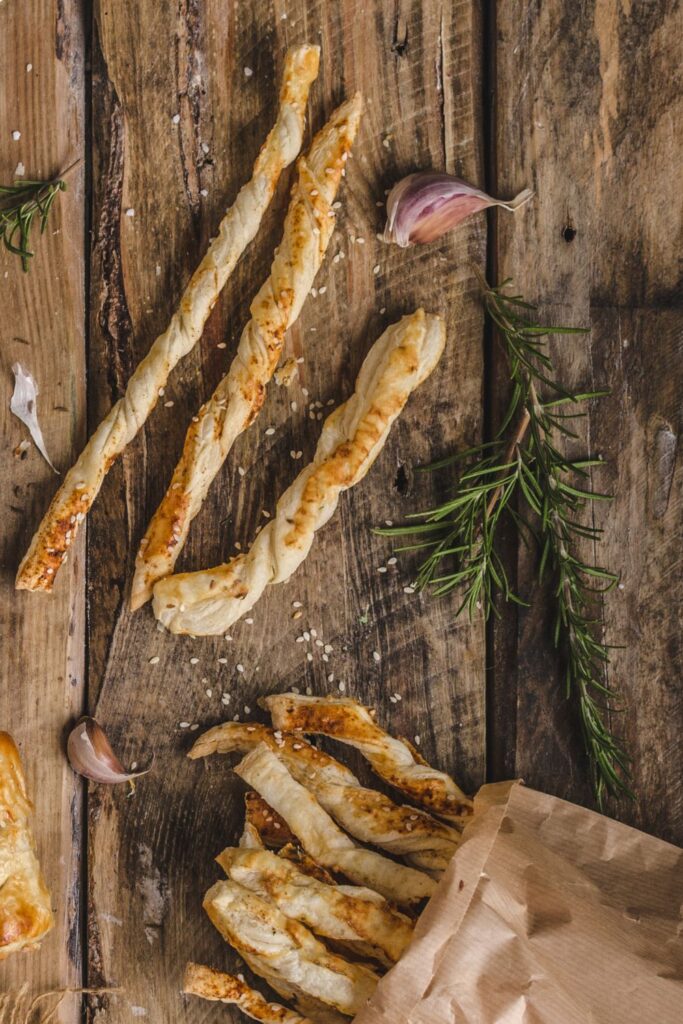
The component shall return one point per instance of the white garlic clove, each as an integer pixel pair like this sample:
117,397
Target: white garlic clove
90,755
425,205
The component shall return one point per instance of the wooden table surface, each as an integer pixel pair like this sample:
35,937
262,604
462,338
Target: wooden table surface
578,101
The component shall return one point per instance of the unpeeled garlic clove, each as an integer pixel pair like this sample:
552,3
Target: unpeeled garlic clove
425,205
90,754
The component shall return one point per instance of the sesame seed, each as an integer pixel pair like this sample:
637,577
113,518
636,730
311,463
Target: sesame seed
205,147
249,622
297,615
29,67
270,431
130,212
248,72
222,344
309,656
376,655
247,709
209,692
299,639
330,678
297,604
392,561
318,643
169,404
417,740
194,661
375,269
240,668
176,119
293,406
341,687
183,725
321,291
382,310
309,691
328,648
154,660
382,568
409,590
222,661
204,192
241,470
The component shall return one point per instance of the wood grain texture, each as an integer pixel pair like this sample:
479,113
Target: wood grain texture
587,96
42,646
418,68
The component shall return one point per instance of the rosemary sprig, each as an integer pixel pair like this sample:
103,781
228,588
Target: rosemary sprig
20,204
522,474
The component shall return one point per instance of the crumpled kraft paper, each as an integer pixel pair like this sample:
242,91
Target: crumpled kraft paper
547,914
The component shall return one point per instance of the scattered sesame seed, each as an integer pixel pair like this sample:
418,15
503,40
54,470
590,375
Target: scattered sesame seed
309,656
388,522
240,668
130,212
183,725
321,291
154,660
341,687
382,310
20,170
222,344
375,269
318,643
293,406
194,661
309,691
409,590
328,648
247,709
222,661
270,431
381,568
249,622
204,192
392,561
227,637
169,404
209,692
299,640
376,655
241,470
176,119
29,67
297,615
297,604
307,635
205,147
330,678
326,657
248,72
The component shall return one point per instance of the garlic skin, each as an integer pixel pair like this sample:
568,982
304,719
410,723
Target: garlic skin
90,755
23,404
425,205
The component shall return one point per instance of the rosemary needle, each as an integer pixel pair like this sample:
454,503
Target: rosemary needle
523,475
20,204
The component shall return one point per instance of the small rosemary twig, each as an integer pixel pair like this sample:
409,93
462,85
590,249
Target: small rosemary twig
527,478
20,204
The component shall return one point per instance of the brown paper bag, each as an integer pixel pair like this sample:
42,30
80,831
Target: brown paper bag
548,914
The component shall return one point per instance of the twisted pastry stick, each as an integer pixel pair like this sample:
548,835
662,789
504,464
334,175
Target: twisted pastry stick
359,918
322,839
225,988
207,603
238,398
366,814
394,760
285,953
81,485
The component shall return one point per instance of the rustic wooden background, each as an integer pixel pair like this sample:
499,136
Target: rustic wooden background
578,100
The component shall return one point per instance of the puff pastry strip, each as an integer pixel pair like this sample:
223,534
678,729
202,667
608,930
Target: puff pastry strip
394,760
285,953
225,988
81,485
366,814
322,839
239,396
25,910
346,914
207,603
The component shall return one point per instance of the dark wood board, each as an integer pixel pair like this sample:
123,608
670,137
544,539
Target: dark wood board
576,100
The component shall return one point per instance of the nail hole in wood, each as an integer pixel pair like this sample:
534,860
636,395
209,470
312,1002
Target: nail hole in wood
569,233
401,482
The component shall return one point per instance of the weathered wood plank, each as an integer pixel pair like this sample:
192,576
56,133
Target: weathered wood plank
150,857
586,102
42,641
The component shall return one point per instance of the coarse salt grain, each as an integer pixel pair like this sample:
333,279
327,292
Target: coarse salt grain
16,136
